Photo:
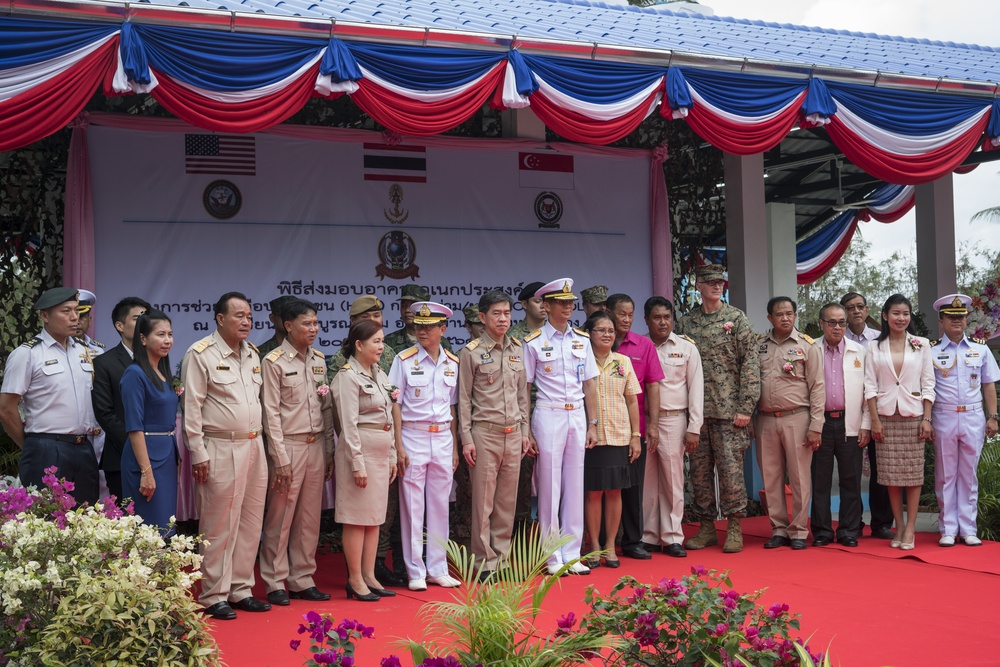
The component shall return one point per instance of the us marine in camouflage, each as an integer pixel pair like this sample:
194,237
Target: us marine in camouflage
728,347
405,338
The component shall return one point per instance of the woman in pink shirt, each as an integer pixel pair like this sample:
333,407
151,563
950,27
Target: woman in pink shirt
899,388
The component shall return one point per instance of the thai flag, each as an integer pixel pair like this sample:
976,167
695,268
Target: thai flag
399,164
548,171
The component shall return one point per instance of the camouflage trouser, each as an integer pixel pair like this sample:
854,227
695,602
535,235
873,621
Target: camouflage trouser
722,446
389,536
460,514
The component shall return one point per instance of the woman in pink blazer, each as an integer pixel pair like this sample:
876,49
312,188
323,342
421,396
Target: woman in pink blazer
899,388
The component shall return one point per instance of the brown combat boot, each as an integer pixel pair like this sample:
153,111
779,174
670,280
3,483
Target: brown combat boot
706,537
734,537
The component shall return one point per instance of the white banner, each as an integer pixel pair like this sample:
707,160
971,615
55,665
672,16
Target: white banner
181,219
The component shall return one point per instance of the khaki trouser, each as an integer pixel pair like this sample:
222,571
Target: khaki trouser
782,446
663,498
494,493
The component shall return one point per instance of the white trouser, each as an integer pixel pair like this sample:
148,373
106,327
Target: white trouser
561,436
958,443
663,492
425,485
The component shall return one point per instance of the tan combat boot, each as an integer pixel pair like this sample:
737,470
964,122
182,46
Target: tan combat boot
734,537
706,537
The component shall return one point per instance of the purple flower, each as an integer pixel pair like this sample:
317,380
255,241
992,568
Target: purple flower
646,632
721,629
730,600
449,661
327,658
698,570
347,661
777,609
751,633
566,622
295,644
391,661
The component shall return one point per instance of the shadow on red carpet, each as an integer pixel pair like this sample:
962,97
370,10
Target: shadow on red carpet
873,605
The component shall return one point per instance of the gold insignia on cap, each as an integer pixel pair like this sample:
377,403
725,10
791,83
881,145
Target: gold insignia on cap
566,288
957,303
424,311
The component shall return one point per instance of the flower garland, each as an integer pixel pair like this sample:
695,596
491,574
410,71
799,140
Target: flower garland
984,315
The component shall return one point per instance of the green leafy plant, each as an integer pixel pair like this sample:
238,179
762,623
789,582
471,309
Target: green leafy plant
989,490
496,623
695,620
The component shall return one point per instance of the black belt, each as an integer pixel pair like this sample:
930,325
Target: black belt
71,439
834,414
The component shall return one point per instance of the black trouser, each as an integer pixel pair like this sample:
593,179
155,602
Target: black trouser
836,444
632,503
114,482
878,495
76,462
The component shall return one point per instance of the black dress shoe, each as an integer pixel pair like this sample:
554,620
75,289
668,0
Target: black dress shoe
280,598
250,603
883,533
382,593
312,593
221,611
777,541
821,541
387,577
613,563
651,548
849,541
798,544
637,553
593,563
675,551
367,597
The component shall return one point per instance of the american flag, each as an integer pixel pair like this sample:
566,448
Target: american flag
220,154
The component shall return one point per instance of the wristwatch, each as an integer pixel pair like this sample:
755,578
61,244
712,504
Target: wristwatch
636,434
592,422
995,416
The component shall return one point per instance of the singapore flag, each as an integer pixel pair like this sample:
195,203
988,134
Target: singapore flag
548,171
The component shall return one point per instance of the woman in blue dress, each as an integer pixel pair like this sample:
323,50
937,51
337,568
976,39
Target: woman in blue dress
149,463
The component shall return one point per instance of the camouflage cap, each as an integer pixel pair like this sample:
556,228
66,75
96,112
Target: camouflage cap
711,272
279,303
55,296
364,304
472,314
414,293
595,294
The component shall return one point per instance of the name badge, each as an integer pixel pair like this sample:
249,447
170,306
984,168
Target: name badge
416,372
547,348
222,368
291,374
51,362
762,349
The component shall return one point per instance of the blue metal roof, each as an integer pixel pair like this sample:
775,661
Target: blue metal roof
650,28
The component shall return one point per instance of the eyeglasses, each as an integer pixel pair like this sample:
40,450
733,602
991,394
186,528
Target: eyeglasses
603,332
836,323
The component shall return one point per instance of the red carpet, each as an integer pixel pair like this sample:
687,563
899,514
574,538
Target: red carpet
877,607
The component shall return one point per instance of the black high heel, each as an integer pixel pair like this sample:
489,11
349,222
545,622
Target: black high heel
368,597
382,593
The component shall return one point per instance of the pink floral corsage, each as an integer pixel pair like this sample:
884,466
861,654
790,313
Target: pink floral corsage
394,393
789,367
178,387
322,389
728,326
915,343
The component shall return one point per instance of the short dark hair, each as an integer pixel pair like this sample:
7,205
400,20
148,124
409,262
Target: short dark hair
221,306
832,304
361,330
617,298
597,315
851,296
492,297
143,327
122,308
781,299
293,309
654,301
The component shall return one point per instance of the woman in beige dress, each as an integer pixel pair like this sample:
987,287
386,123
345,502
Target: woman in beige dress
365,456
899,388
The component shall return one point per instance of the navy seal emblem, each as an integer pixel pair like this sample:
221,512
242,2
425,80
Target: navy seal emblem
548,210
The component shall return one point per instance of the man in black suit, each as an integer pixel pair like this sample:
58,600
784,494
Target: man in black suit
107,395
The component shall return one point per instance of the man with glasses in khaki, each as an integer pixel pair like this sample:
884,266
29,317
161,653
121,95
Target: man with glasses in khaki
846,431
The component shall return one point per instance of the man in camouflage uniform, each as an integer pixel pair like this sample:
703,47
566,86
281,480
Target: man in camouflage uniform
402,339
278,338
534,318
594,299
728,347
369,307
473,324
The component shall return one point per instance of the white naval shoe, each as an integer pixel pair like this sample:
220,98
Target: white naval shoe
971,540
445,581
579,568
946,541
553,568
417,585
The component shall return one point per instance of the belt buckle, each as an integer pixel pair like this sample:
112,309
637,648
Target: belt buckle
960,408
79,439
777,413
386,427
433,428
252,434
310,438
508,429
568,406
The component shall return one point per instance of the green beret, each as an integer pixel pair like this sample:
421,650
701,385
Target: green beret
55,296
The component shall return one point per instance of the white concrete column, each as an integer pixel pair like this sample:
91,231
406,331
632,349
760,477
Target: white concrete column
936,276
522,124
781,249
747,247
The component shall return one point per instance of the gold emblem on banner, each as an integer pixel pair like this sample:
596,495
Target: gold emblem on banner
396,216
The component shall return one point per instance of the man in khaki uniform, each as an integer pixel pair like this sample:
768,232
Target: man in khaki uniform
298,420
681,396
222,422
790,420
493,415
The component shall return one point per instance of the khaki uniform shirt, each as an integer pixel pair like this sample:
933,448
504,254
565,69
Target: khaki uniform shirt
335,363
683,385
492,386
361,399
297,401
221,391
791,374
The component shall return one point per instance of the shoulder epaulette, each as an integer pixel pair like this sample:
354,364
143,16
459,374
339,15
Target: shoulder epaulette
317,353
203,345
533,335
253,347
81,340
98,343
981,341
688,338
809,339
451,355
32,343
407,353
516,342
581,332
346,366
934,342
274,355
472,344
